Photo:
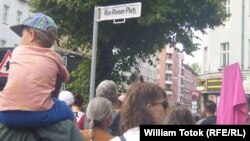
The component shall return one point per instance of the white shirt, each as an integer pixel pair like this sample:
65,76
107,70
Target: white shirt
78,115
132,134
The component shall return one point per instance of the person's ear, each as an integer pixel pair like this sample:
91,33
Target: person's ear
108,120
32,35
149,106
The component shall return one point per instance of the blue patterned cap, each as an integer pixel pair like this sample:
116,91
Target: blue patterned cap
40,22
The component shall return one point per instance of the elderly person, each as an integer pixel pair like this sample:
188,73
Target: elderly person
99,116
108,89
146,104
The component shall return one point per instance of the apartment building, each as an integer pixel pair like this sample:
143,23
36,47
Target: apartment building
12,12
170,76
189,83
226,45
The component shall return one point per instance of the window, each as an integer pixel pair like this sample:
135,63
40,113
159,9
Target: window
168,67
168,87
227,6
205,58
2,43
169,56
249,8
19,17
5,14
224,54
249,54
168,77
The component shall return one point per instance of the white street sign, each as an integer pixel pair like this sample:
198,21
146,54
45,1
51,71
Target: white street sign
114,12
123,11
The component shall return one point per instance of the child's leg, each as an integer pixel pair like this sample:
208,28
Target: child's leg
19,119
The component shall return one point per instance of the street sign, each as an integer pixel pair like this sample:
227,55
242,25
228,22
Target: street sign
123,11
5,64
114,12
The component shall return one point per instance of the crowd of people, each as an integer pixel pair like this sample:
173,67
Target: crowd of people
32,109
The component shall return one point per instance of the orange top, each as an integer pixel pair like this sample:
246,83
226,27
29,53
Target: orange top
99,135
32,78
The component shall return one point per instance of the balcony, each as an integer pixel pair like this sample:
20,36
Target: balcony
168,91
169,50
158,76
158,66
169,61
168,82
169,72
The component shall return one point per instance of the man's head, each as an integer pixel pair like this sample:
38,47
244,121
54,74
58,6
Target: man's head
38,29
210,107
133,78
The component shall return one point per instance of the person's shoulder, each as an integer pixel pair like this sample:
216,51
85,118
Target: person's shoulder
209,121
65,125
115,139
63,130
200,121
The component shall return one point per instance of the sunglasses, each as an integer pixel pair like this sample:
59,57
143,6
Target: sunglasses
164,104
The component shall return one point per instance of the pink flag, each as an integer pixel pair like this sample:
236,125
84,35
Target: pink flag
232,107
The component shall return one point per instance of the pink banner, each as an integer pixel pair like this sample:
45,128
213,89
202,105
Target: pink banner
232,107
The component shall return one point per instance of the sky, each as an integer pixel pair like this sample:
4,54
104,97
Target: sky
197,54
196,59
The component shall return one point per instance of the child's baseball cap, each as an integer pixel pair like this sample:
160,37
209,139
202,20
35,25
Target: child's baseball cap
40,22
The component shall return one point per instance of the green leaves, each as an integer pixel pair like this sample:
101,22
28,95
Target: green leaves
161,22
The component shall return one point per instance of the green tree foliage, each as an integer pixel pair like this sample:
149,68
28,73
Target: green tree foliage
81,77
161,22
196,68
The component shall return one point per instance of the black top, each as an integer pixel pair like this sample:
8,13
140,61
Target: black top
209,121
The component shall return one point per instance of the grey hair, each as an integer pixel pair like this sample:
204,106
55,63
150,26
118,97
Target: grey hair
98,109
107,89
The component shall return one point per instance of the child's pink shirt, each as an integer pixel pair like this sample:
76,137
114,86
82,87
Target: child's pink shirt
32,77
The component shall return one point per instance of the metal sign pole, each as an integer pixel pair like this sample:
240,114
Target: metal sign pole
93,56
113,12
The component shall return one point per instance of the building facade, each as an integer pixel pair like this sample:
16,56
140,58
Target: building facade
226,45
12,12
189,84
171,74
144,69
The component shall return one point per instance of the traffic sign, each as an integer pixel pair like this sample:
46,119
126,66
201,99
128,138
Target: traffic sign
123,11
5,64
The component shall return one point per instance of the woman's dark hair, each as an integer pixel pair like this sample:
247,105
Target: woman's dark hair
78,100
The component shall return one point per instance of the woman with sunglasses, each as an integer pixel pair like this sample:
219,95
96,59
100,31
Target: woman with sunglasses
146,104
